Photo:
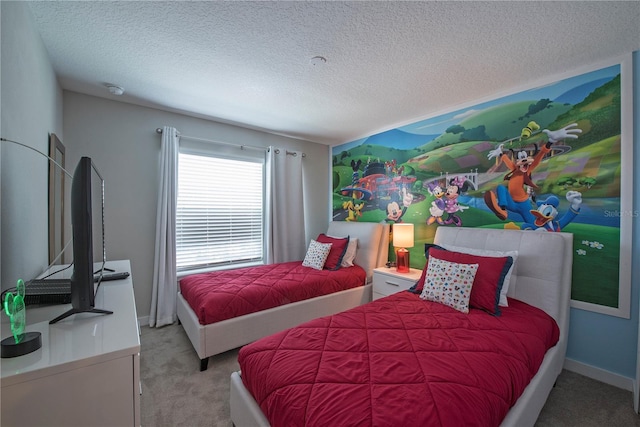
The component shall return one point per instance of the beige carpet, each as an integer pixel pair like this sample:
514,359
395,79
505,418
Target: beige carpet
175,392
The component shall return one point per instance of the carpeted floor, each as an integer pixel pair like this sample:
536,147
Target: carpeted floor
175,393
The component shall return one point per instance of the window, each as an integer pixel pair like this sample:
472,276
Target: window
219,214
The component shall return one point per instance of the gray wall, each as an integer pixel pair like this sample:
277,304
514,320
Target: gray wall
122,141
31,107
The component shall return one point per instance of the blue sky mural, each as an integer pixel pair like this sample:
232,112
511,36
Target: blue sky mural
545,159
572,90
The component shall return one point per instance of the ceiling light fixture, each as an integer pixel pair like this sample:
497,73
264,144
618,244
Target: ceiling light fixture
318,60
115,90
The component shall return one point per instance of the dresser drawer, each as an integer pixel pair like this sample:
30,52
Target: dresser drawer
387,281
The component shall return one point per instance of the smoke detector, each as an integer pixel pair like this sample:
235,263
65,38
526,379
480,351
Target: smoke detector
115,90
318,60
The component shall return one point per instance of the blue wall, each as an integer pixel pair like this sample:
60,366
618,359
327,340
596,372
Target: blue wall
607,342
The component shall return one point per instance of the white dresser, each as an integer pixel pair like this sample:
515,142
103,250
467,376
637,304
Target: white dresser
87,372
387,281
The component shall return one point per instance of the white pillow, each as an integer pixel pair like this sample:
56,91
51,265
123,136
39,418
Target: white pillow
316,255
490,253
449,283
350,253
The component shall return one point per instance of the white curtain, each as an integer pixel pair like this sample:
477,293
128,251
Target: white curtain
285,208
165,282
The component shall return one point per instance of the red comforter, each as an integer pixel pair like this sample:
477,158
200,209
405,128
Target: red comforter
222,295
398,361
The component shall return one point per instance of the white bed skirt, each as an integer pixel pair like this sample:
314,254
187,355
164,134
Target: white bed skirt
219,337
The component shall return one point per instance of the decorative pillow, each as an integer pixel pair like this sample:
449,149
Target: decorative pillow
350,253
417,288
449,283
508,280
489,278
338,248
316,255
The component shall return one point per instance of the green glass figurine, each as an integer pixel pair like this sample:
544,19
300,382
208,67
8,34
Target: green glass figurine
21,342
15,309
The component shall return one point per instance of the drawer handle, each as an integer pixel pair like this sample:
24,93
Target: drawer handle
391,283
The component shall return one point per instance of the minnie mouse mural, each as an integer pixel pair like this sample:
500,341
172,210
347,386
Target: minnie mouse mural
446,201
456,185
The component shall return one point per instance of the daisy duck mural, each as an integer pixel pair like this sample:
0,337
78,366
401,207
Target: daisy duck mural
547,159
446,201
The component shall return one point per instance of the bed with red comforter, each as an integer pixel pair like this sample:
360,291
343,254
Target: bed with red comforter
399,361
404,360
227,294
222,310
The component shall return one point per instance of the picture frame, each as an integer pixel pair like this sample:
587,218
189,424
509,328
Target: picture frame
57,177
388,176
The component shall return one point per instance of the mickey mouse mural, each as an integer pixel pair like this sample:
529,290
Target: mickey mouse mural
395,208
551,158
382,186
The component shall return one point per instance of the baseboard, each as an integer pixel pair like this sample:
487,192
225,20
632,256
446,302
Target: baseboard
143,321
599,374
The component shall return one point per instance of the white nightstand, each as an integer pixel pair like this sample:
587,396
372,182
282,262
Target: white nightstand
387,281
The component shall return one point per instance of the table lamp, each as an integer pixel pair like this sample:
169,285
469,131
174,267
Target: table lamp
402,239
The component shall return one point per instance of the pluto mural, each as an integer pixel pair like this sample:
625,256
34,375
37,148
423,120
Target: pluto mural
547,159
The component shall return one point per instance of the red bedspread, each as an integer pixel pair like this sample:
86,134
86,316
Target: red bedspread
398,361
222,295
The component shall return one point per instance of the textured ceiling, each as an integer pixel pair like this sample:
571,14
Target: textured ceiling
388,63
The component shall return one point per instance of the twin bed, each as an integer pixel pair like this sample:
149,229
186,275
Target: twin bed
219,312
406,360
411,358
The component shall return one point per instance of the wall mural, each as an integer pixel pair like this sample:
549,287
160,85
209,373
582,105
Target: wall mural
552,158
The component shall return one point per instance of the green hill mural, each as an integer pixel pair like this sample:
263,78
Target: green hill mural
444,178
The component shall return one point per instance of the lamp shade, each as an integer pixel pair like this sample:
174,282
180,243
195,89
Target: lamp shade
403,235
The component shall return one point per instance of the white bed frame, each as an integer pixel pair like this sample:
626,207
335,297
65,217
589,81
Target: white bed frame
208,340
541,277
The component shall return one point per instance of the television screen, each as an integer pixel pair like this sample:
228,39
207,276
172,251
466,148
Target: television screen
87,203
97,219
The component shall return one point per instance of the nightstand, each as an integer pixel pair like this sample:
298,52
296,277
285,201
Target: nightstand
387,281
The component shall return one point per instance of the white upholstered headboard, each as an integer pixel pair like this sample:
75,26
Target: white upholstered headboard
373,242
543,267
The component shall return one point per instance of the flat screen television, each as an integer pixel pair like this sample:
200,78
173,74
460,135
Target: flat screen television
87,202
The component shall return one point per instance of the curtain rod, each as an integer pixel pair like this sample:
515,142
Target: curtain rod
242,146
289,153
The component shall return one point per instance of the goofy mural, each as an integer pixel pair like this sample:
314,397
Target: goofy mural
517,196
547,159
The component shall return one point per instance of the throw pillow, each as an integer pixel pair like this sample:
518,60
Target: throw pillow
489,278
509,279
417,288
338,248
316,255
350,253
449,283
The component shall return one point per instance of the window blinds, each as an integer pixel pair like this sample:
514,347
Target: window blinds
219,214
